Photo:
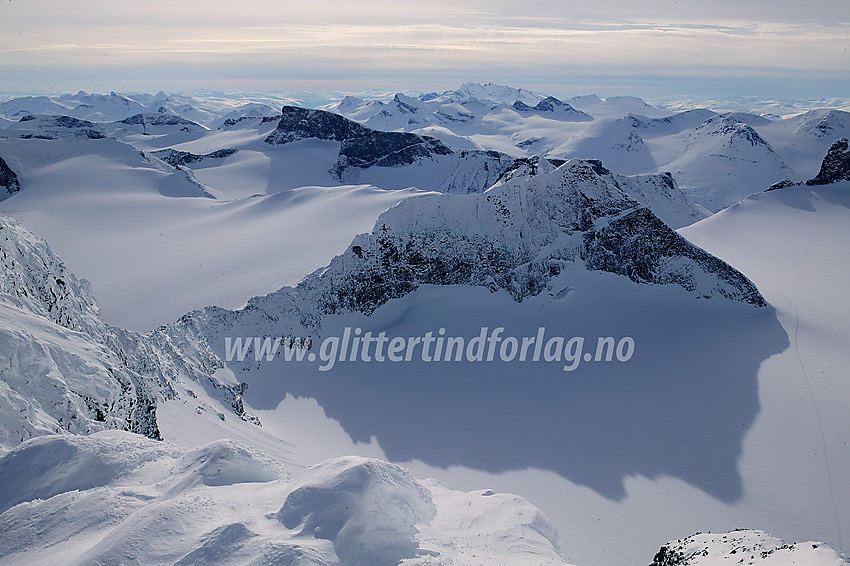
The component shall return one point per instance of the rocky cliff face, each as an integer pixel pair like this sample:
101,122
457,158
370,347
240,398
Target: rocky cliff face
835,166
64,369
8,178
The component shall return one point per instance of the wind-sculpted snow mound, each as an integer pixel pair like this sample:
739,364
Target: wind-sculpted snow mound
50,465
112,498
368,508
226,462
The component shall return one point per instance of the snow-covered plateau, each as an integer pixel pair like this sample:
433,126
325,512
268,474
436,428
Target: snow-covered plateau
675,281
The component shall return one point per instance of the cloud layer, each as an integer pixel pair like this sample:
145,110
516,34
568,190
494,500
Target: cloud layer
258,44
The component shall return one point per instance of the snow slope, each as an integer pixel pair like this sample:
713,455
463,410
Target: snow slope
155,246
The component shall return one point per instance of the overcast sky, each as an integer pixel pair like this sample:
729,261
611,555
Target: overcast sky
720,47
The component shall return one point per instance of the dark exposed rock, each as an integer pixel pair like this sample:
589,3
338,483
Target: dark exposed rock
783,184
175,158
387,149
54,127
157,120
302,123
638,244
362,147
835,166
8,178
549,104
668,557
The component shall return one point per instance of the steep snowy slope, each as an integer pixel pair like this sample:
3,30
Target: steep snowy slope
64,369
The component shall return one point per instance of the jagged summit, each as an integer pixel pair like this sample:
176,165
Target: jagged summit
551,105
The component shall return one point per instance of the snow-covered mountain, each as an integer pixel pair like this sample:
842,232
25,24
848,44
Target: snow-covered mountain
627,134
722,160
730,409
615,142
615,106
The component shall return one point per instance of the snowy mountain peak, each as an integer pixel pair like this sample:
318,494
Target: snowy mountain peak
554,106
616,106
494,93
734,130
516,236
822,123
